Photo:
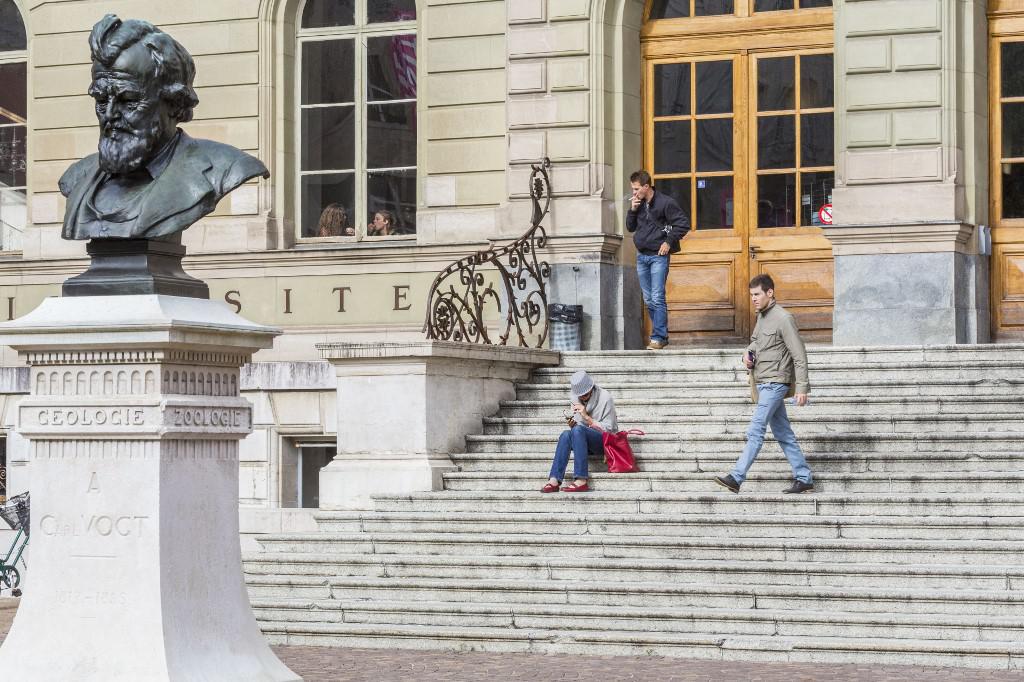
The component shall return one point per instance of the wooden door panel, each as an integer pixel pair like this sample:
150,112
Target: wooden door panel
701,294
804,285
1008,275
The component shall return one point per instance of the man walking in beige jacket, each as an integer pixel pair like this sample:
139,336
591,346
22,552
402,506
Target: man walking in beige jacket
778,360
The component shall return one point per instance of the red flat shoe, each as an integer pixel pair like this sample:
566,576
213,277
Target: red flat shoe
550,488
573,488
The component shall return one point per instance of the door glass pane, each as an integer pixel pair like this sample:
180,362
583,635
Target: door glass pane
714,203
714,87
672,146
672,89
1013,190
13,219
714,144
390,10
391,135
817,81
395,192
1012,58
13,95
320,13
776,200
328,69
703,8
772,5
808,4
12,156
776,83
1013,129
331,197
776,142
12,29
670,9
817,140
815,192
678,189
328,138
391,68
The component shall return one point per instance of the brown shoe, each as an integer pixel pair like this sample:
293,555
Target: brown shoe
656,345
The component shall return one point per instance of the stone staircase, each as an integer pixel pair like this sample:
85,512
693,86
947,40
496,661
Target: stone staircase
911,551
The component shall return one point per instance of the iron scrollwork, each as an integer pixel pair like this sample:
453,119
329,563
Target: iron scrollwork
461,297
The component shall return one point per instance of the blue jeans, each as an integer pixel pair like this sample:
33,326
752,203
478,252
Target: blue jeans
581,441
652,271
771,411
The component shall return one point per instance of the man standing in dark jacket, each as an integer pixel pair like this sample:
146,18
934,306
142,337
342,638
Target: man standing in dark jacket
657,224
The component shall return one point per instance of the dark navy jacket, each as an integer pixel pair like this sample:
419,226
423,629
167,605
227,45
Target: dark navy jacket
658,222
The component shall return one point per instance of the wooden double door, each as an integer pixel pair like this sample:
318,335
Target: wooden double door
744,141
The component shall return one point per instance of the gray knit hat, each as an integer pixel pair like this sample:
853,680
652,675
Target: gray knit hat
580,383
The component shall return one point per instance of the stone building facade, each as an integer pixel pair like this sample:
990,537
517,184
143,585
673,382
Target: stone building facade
759,115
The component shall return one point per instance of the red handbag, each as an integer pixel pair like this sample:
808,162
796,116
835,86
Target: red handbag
617,453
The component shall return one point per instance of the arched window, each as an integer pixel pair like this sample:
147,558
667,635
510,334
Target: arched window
13,117
357,122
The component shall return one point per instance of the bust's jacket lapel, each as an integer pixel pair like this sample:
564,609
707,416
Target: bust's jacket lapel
181,188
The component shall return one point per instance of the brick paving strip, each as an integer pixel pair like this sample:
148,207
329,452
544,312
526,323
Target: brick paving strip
324,664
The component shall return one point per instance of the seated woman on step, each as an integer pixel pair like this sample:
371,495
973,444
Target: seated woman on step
593,411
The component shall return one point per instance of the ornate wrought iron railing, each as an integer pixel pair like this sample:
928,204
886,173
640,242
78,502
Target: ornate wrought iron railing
462,302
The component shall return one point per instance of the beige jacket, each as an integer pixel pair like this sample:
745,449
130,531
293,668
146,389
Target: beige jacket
780,354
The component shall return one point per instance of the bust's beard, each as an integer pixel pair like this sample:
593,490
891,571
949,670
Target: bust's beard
128,151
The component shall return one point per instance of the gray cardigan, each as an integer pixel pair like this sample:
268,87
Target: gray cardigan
601,409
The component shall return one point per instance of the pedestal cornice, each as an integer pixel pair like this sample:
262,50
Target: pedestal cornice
926,237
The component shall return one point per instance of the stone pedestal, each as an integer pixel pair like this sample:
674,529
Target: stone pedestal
403,408
134,419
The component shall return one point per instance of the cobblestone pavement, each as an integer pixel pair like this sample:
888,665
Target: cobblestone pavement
321,664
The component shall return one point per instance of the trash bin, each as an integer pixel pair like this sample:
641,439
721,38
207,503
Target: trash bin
565,324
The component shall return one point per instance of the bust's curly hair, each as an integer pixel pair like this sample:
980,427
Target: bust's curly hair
172,64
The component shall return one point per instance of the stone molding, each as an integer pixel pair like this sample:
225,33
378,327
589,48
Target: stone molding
930,237
448,350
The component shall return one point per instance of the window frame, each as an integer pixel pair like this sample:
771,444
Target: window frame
741,8
19,57
360,31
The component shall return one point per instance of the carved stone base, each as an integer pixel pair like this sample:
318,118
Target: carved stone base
131,267
134,419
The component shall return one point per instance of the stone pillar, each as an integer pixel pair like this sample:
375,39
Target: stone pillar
133,420
404,408
912,172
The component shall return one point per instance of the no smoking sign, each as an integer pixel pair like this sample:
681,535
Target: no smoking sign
825,214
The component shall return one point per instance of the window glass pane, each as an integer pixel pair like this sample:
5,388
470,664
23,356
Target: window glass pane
329,138
772,5
672,89
391,68
395,192
815,192
1012,57
678,189
12,28
776,142
703,8
776,200
322,197
328,69
670,9
808,4
714,87
12,156
776,83
672,146
714,203
1013,130
816,140
391,135
12,93
320,13
1013,190
817,81
13,219
714,144
390,10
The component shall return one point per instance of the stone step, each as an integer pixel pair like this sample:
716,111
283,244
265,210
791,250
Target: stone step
723,502
696,525
770,462
721,621
970,552
1004,604
806,422
317,569
826,482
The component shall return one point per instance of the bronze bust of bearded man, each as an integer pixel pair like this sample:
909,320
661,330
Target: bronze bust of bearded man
149,180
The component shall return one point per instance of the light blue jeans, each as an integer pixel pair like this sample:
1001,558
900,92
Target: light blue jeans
580,441
652,271
771,411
